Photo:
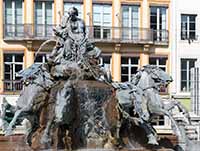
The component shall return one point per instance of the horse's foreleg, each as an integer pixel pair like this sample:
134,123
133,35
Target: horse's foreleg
12,123
46,135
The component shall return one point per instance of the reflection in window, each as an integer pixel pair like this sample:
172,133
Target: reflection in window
129,66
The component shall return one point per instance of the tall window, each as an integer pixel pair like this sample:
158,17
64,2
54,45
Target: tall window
129,66
13,18
188,27
158,22
186,65
13,63
43,18
79,6
102,20
130,22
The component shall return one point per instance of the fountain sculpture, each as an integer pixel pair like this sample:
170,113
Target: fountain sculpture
72,103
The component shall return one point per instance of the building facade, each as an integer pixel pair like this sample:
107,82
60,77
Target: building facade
130,33
185,46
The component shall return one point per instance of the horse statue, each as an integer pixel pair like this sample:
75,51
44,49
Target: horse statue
37,81
139,100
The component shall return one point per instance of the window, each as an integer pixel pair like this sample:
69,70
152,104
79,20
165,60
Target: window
188,27
13,63
79,6
40,58
129,66
43,18
105,61
186,65
130,22
158,61
158,120
158,22
161,63
13,18
102,20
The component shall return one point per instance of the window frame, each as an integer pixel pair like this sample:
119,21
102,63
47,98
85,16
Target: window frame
15,28
188,72
101,30
44,26
13,82
133,31
161,32
129,66
186,33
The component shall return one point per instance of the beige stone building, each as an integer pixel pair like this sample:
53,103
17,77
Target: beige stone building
130,33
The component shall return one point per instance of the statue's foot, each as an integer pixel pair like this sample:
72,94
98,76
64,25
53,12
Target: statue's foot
152,140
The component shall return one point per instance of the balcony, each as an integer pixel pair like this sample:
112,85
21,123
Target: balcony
161,37
12,85
95,33
28,32
121,34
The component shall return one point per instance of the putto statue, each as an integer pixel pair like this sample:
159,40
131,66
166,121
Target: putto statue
71,102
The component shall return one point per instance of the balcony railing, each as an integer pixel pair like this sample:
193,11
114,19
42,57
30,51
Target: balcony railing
28,31
161,36
12,85
12,31
96,33
43,31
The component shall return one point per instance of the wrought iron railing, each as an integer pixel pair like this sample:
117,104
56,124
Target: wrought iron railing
161,36
27,31
12,30
96,33
12,85
120,34
43,31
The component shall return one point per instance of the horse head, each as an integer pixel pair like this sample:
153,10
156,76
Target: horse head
160,77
